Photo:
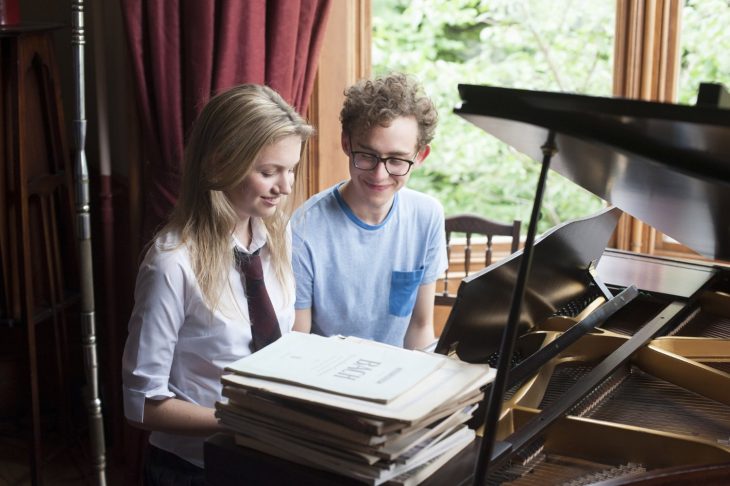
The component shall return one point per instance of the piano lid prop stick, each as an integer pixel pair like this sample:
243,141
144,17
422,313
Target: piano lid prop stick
509,335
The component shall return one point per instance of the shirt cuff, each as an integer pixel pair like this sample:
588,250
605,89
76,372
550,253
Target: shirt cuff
134,402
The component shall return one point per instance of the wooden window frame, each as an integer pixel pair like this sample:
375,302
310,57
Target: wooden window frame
646,67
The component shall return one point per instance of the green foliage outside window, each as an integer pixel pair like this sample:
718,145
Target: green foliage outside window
705,44
551,45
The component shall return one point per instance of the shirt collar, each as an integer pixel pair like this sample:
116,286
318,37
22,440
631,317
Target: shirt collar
258,238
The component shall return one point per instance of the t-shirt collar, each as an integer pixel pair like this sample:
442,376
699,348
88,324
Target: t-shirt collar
351,215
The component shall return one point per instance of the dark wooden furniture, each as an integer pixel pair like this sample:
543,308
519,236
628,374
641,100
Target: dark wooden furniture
227,464
37,252
470,225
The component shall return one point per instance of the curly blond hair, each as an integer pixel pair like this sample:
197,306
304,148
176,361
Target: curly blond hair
369,103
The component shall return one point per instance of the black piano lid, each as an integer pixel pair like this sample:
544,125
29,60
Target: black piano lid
666,164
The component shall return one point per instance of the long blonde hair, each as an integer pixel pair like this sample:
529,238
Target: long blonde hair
224,143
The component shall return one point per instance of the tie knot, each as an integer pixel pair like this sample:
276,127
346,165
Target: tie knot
249,264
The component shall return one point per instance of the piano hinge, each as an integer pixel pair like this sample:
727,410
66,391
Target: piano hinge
593,272
451,353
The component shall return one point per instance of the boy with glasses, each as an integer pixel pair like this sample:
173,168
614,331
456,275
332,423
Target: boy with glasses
368,251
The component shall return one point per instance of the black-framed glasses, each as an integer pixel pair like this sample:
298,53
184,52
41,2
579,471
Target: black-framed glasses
393,165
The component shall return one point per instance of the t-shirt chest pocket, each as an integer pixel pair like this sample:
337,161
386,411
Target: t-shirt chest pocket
403,291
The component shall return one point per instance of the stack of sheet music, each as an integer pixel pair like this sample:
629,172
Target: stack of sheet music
362,409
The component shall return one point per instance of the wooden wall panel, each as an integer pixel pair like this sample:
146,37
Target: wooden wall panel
345,58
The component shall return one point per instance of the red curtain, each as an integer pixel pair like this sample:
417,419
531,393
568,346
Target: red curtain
184,50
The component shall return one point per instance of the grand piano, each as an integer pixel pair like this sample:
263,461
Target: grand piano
613,367
613,364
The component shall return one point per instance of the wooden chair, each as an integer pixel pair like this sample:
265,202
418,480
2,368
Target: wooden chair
470,225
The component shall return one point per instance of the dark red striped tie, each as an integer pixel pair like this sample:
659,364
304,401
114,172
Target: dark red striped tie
264,324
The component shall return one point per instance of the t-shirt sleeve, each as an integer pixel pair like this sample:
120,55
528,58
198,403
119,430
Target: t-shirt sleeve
436,259
157,317
302,266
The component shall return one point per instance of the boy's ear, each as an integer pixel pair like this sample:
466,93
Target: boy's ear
345,142
423,154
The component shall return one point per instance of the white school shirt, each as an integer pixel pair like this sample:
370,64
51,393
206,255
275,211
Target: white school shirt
176,346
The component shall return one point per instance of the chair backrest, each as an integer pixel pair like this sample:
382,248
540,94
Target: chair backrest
470,224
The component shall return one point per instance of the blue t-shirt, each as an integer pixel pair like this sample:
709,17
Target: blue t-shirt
359,279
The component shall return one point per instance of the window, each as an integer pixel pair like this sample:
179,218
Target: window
552,45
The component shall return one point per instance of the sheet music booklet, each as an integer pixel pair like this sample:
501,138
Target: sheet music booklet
362,409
